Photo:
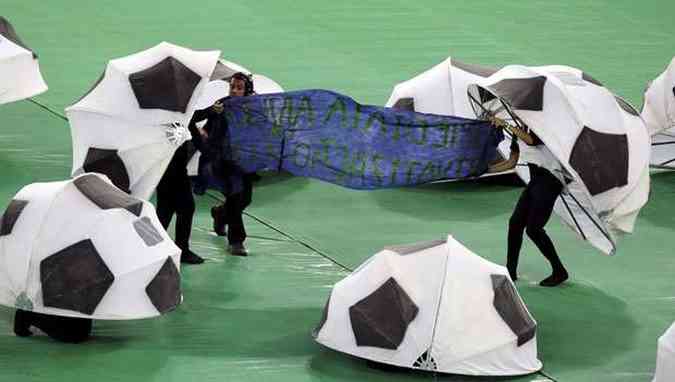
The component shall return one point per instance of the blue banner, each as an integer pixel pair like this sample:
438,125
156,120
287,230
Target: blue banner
328,136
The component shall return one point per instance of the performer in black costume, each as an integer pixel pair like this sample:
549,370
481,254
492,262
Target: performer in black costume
217,161
64,329
174,197
536,202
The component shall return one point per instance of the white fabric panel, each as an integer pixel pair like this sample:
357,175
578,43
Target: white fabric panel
265,85
20,76
431,91
15,249
468,325
658,113
518,360
213,91
663,149
665,357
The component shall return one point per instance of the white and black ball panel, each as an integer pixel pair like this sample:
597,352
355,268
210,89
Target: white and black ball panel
75,278
59,217
164,289
381,318
521,93
511,309
368,278
601,160
167,85
108,163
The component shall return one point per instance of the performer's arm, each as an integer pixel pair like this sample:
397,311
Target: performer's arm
201,115
506,164
518,132
210,111
522,134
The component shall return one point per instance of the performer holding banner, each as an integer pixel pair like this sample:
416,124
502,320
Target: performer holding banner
217,165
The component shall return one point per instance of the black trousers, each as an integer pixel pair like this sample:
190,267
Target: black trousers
64,329
531,214
174,196
231,212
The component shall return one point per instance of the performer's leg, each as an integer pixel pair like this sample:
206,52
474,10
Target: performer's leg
165,203
517,224
236,233
185,210
64,329
544,194
219,219
22,323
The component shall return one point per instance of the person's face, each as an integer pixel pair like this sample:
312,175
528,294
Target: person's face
237,88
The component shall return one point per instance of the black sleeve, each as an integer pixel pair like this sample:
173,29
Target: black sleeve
198,116
201,115
196,137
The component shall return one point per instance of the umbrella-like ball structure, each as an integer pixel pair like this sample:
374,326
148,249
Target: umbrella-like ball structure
136,115
84,248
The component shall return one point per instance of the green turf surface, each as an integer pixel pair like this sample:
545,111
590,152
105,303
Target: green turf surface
249,319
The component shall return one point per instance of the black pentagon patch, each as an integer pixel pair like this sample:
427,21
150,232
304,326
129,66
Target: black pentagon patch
147,232
381,319
511,309
75,278
324,317
108,163
106,196
478,70
164,289
11,215
590,79
7,30
405,104
628,108
601,160
168,85
522,93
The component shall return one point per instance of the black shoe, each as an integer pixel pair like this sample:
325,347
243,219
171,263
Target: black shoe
189,257
218,222
22,323
237,249
557,278
514,275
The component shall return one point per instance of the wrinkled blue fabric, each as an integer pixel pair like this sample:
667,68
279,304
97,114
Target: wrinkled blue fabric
328,136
